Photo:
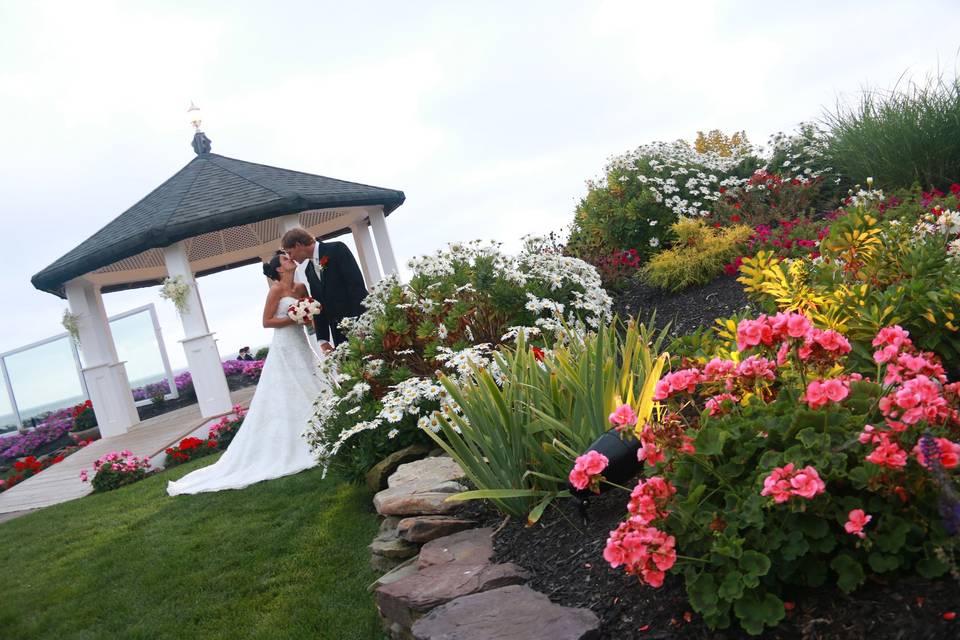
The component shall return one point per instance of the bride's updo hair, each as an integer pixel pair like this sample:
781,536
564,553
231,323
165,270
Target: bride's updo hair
272,269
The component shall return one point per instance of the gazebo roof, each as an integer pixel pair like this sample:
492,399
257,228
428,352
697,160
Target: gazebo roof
212,193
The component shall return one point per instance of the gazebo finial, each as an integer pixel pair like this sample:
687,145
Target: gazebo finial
201,143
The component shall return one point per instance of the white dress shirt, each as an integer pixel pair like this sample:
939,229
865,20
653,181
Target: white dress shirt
300,275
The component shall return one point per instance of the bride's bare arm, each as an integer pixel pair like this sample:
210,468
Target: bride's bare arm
270,309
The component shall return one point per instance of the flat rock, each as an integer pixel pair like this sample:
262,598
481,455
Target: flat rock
423,497
422,529
378,474
389,523
406,599
383,564
389,545
506,613
474,546
436,470
406,568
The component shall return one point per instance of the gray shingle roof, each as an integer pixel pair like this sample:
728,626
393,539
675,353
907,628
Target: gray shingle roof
210,193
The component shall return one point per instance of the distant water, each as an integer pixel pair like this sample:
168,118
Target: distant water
8,422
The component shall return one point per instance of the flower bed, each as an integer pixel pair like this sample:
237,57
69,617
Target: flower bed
218,438
115,470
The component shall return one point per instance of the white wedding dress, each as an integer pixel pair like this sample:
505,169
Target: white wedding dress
269,444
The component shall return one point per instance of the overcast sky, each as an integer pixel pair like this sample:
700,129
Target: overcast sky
489,115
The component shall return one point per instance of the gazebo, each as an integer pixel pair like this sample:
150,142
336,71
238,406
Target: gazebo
216,213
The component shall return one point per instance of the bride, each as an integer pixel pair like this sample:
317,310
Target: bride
269,443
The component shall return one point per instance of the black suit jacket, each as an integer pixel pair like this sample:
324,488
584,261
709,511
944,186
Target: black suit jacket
339,287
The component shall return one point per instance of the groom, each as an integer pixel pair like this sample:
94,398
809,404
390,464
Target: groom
330,272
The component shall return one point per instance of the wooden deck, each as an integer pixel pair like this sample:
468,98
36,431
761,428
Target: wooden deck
61,482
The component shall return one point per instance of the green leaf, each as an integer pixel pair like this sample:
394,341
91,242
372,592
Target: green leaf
538,510
892,537
703,594
754,563
849,572
493,493
932,568
860,477
731,588
728,546
809,437
813,526
756,612
710,441
795,546
881,562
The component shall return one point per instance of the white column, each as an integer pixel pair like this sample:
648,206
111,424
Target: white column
379,223
288,222
203,358
104,375
367,254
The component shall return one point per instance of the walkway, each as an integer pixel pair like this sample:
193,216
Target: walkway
61,482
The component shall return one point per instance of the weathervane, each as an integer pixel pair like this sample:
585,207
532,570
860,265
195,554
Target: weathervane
201,143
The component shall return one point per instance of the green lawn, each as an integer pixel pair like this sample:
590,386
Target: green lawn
283,559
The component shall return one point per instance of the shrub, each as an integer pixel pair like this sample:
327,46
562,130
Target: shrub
519,424
884,261
189,449
116,469
901,137
766,197
645,191
83,417
224,431
698,256
798,472
459,304
262,353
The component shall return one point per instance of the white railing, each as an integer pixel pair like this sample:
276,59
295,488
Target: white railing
77,358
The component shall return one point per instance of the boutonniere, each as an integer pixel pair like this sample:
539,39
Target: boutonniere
323,262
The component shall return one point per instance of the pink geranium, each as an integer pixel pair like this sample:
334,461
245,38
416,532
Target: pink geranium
819,393
676,382
856,521
587,469
649,499
918,399
623,416
718,369
887,453
644,551
785,482
719,404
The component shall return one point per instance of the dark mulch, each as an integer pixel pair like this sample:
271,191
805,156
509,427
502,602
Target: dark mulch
564,556
686,310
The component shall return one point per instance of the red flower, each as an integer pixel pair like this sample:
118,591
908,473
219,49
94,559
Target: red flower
324,261
538,353
734,218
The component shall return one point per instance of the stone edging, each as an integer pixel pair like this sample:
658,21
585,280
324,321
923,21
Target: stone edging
449,588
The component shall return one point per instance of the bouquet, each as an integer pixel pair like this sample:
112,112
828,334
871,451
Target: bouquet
303,310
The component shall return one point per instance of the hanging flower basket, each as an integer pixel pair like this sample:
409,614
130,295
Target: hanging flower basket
176,290
71,322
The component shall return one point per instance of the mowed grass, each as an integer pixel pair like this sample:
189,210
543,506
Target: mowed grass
286,558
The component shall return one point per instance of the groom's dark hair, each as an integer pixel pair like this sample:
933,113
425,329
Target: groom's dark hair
296,236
